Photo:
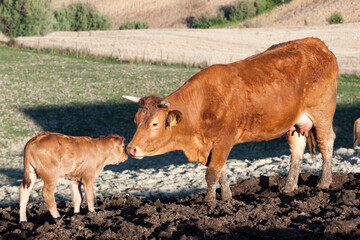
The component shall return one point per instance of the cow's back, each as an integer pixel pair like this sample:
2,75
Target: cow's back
260,97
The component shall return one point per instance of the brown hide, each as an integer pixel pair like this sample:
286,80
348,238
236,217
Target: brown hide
54,154
80,159
357,133
259,98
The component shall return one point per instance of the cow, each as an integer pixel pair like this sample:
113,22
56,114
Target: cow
288,89
357,133
80,159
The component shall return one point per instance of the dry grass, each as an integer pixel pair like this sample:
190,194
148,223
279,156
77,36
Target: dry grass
158,13
200,47
173,13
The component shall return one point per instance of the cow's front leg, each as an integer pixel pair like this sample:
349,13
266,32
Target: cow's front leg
224,185
297,143
217,170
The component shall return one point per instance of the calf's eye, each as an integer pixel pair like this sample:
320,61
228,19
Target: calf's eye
155,124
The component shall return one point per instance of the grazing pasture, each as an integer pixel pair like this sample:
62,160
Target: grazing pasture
43,92
74,96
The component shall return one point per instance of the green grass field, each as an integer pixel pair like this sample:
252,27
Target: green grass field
42,92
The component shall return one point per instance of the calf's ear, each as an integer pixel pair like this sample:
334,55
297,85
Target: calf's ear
173,118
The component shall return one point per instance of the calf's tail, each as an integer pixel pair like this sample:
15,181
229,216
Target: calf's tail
311,139
27,167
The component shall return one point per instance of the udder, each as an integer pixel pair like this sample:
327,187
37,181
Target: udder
302,125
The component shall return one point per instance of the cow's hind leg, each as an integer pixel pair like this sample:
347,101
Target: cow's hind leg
325,137
24,194
76,195
49,197
217,170
297,143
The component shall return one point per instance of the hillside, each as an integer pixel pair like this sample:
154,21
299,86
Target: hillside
308,12
174,13
158,13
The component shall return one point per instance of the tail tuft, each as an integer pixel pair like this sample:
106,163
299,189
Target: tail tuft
26,180
312,142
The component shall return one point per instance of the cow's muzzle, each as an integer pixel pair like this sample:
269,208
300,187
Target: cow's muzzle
133,152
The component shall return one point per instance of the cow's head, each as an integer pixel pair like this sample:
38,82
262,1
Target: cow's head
155,123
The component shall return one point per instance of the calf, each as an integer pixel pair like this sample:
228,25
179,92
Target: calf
357,133
80,159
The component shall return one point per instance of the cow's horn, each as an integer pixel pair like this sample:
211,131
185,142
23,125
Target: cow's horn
131,98
165,104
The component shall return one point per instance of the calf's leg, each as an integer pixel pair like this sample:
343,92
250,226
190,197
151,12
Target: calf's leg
49,197
89,191
76,195
297,143
24,194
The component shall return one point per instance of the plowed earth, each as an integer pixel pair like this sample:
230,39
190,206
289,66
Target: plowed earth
258,210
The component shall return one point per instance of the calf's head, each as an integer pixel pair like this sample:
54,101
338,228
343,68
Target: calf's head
115,148
155,123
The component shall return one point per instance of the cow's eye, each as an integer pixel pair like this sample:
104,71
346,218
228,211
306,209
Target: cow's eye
155,124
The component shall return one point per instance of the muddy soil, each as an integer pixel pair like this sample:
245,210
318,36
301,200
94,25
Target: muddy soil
258,210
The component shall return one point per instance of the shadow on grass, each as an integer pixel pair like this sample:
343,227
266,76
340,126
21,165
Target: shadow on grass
13,174
96,120
102,119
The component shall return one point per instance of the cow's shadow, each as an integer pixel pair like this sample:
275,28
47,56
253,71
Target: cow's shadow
101,119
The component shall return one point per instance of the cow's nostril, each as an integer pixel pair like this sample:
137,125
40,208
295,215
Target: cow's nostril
131,150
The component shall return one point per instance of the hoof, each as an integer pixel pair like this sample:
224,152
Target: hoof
226,197
209,198
76,214
57,219
322,186
22,222
91,213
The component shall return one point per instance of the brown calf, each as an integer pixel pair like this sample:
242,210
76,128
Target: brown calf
357,133
80,159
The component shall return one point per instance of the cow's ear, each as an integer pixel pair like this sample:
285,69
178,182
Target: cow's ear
174,117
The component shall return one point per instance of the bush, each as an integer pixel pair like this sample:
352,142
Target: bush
335,18
239,12
206,20
242,10
25,17
80,17
134,25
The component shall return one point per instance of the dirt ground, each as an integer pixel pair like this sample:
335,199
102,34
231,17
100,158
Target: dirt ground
258,210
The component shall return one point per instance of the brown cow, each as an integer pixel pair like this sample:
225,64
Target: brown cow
357,133
290,87
80,159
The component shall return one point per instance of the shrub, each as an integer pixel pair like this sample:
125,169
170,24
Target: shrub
239,12
335,18
242,10
80,17
25,17
206,20
134,25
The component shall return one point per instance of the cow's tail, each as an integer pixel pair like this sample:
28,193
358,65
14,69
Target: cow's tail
356,141
311,139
